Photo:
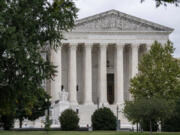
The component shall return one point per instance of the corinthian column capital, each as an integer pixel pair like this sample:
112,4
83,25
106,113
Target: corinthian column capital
135,46
103,45
73,45
120,45
88,45
148,46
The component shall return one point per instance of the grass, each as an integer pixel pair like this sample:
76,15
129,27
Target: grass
80,133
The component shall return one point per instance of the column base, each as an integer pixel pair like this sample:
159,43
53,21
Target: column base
88,103
74,103
106,104
118,103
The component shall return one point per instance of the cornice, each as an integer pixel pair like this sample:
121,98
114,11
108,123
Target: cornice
155,26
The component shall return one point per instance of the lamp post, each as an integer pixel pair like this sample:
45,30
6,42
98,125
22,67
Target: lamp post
117,121
98,103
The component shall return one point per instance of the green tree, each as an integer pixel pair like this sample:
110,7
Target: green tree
146,127
6,121
159,74
165,2
27,27
148,109
173,124
156,86
41,104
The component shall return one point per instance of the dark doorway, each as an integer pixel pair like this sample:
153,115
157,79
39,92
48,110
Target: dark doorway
110,88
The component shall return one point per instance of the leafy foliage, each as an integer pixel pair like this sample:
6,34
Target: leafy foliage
103,119
26,28
6,121
165,2
148,109
172,124
146,127
151,110
41,104
156,88
159,74
69,120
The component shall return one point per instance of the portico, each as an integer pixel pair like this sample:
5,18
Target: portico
98,59
115,64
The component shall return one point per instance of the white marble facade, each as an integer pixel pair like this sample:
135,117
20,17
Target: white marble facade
98,59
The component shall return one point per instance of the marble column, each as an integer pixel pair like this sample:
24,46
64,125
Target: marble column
102,74
148,47
56,83
119,80
134,66
135,48
72,74
88,74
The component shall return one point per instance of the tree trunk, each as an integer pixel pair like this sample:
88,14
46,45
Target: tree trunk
137,127
150,125
20,122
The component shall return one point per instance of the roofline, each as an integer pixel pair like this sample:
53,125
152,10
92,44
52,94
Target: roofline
123,32
86,19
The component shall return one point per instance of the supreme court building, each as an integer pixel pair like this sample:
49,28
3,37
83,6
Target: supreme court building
97,60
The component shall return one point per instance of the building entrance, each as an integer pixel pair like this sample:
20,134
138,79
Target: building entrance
110,88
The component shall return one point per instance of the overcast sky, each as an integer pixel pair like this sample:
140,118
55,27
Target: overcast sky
168,16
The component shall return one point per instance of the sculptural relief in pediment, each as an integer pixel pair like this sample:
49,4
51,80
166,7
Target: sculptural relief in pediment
116,21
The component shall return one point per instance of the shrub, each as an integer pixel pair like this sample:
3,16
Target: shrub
7,122
69,120
103,119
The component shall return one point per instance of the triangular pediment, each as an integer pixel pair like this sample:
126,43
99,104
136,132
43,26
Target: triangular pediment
114,20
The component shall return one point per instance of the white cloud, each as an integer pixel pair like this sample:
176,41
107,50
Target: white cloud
168,16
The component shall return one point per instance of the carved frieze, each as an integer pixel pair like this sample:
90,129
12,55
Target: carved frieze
116,21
